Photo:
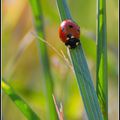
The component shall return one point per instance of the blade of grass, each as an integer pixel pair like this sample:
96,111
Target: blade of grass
58,110
44,60
82,72
101,71
20,103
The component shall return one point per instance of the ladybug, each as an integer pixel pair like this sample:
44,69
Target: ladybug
69,33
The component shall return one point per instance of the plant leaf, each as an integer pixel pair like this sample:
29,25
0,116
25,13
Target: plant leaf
82,72
101,71
20,103
44,60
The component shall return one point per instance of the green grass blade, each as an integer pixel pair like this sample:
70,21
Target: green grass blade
44,60
20,103
101,74
82,72
63,14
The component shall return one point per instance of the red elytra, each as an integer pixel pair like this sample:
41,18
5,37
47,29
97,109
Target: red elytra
68,27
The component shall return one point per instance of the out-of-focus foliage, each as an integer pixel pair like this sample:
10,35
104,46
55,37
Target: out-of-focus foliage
25,71
101,60
19,102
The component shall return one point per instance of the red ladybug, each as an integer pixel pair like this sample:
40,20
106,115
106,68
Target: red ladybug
69,33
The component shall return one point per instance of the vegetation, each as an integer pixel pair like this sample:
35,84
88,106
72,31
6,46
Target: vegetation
36,65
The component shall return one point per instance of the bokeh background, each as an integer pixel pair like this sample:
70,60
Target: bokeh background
20,61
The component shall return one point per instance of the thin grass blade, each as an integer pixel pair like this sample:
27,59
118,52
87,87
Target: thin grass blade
44,60
63,14
101,71
20,103
82,72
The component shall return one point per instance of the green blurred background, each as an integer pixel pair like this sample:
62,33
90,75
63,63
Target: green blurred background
20,61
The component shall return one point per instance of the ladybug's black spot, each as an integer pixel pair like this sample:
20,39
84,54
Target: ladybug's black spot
70,26
63,29
69,35
72,42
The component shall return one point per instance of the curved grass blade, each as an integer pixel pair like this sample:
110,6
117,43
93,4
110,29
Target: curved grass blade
82,72
44,60
20,103
101,71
